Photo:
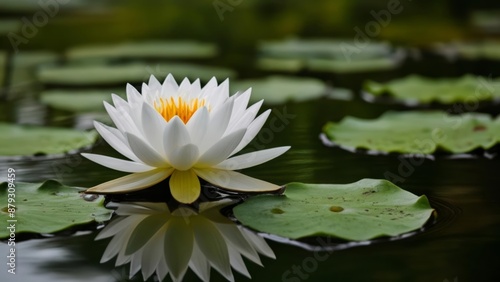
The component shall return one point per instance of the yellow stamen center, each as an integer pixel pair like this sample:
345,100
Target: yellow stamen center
169,108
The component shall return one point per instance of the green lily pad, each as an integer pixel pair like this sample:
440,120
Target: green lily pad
77,100
30,6
279,89
487,20
418,89
340,56
25,65
416,132
8,26
154,49
352,66
488,49
363,210
322,48
3,65
415,88
20,140
46,207
85,75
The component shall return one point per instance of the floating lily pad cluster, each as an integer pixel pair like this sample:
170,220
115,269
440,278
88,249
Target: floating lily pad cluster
417,89
338,56
416,132
362,210
47,207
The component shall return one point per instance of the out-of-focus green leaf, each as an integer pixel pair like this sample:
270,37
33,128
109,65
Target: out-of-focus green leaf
152,49
19,140
77,100
93,75
279,89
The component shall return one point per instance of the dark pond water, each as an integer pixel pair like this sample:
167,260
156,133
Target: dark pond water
462,245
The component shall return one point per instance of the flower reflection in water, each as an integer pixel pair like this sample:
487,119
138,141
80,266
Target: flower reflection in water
154,240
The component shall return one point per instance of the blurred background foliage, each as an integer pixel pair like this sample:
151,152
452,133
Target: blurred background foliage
237,24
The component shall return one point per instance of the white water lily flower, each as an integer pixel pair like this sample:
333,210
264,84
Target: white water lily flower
154,240
185,132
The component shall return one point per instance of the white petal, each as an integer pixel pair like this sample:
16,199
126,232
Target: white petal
185,157
145,152
146,94
221,150
232,180
113,227
241,103
118,164
153,253
195,90
154,85
217,126
197,125
132,182
252,131
252,159
258,242
135,263
175,136
185,87
161,269
122,120
153,126
236,240
119,241
212,244
120,104
169,87
223,89
144,231
116,140
199,264
208,88
133,96
178,246
245,118
237,262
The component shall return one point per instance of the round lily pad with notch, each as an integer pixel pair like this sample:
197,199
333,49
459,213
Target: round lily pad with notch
415,89
280,89
24,140
47,207
120,74
416,132
363,210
